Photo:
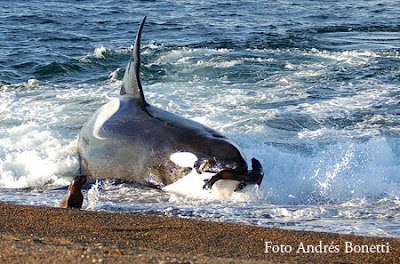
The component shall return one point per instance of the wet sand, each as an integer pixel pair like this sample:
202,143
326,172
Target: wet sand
54,235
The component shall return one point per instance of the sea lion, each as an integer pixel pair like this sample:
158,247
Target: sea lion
74,197
131,140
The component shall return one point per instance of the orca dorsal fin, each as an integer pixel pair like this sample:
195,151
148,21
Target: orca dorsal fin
131,82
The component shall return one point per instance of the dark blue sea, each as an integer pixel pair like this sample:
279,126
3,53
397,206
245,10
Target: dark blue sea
310,88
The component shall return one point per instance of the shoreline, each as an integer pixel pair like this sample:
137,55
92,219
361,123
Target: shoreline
48,234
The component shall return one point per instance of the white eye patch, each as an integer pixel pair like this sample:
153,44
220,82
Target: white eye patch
183,159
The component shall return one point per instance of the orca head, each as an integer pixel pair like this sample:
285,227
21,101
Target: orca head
218,154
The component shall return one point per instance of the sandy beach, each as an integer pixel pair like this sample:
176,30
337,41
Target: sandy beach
53,235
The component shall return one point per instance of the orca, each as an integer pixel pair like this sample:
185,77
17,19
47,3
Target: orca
131,140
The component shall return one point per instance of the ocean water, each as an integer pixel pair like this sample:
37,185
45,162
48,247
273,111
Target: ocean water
310,88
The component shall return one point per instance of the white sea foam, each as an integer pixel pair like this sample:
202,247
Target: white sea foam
32,157
113,76
31,83
38,135
93,196
184,55
99,52
338,172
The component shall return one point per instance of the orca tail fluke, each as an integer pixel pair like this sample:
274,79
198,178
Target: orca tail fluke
131,82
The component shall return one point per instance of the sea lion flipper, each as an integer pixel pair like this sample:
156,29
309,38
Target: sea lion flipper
131,82
257,171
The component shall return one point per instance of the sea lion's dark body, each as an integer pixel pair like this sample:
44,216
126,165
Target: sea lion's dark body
74,197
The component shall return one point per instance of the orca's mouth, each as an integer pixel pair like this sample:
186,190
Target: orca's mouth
215,166
231,171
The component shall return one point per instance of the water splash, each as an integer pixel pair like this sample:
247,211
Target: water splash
93,196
